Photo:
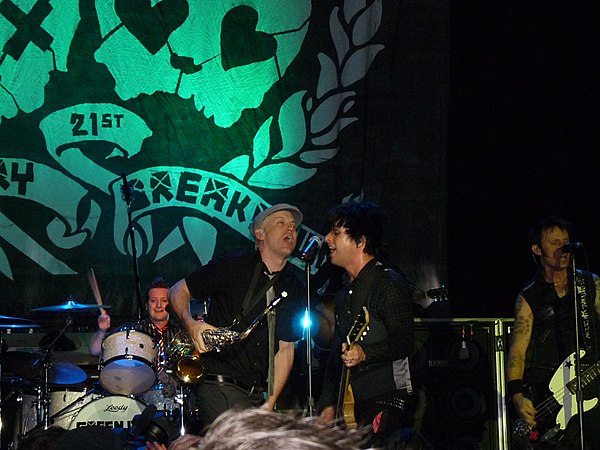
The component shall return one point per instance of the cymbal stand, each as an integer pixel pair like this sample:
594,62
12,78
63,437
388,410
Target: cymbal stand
44,411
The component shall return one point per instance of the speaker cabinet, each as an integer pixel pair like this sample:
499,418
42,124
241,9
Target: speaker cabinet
457,372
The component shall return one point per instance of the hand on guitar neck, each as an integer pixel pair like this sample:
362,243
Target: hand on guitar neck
352,354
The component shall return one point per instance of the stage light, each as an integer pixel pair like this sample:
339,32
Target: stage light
306,322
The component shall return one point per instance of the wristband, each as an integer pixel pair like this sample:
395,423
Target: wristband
514,387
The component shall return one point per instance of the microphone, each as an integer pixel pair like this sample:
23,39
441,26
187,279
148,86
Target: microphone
571,247
314,243
126,189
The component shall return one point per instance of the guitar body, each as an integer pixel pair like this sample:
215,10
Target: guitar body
348,408
345,404
558,405
569,407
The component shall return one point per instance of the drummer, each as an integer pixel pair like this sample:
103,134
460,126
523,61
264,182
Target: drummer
157,324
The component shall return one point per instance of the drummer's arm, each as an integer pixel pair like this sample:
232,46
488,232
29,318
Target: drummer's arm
96,342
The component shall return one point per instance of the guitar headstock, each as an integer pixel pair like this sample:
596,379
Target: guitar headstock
359,327
438,294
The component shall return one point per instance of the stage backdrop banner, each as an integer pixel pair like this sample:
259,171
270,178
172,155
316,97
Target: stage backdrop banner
181,119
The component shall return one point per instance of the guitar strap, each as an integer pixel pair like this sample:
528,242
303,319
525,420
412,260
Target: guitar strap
251,301
582,288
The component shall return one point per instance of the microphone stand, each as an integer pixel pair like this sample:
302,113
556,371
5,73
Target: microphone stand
310,399
578,390
127,192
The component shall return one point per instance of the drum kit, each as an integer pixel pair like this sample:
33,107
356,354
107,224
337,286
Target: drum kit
48,391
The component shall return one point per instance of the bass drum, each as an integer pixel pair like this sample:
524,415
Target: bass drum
116,411
128,361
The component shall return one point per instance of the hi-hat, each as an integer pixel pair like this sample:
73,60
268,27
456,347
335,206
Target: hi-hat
71,306
31,365
16,322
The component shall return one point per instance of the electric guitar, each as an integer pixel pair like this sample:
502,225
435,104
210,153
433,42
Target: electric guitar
426,298
345,404
557,409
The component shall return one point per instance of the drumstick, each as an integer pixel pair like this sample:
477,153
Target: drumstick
94,286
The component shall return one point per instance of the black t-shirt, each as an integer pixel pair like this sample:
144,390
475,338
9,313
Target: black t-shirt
225,282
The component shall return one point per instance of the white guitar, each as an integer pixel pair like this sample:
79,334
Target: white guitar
556,410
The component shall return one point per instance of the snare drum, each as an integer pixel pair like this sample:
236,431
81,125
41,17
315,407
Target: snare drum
116,411
128,362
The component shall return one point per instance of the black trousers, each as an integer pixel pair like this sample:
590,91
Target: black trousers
213,398
384,415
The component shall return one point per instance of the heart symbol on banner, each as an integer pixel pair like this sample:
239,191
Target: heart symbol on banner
241,44
152,25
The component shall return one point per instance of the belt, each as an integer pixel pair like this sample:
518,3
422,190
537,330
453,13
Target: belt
224,379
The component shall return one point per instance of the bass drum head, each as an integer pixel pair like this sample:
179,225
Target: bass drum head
115,411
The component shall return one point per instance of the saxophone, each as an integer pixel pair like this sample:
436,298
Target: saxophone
185,360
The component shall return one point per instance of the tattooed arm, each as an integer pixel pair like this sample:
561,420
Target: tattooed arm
516,357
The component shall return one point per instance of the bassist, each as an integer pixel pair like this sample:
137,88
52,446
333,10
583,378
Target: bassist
539,358
380,392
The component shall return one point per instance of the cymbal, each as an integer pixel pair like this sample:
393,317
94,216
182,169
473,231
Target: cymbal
30,365
71,306
16,322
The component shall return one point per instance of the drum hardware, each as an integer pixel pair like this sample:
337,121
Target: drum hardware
71,306
9,323
42,366
185,359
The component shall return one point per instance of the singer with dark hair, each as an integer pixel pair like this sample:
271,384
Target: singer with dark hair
376,362
241,287
540,372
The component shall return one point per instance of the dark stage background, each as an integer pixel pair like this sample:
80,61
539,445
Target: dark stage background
523,142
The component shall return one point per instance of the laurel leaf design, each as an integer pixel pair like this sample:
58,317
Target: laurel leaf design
319,156
352,8
292,125
367,24
328,75
358,64
280,176
327,111
238,167
340,38
262,143
332,134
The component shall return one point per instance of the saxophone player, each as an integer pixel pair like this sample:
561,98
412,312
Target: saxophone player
253,371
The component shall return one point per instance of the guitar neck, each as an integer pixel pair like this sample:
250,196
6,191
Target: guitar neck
588,375
339,410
